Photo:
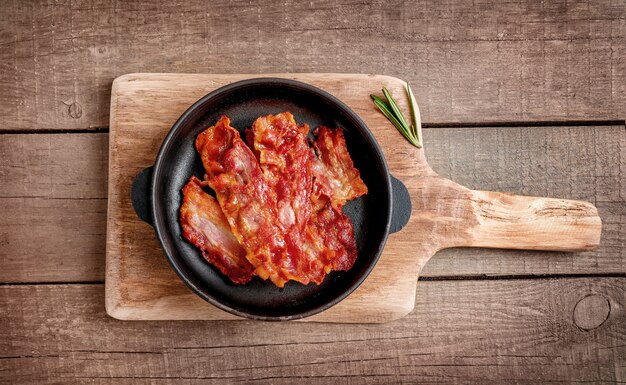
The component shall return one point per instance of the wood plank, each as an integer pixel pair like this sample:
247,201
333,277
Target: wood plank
61,166
52,240
592,174
487,331
53,200
467,62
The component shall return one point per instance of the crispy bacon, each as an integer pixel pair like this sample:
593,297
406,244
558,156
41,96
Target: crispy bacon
281,199
205,226
332,233
333,167
242,192
284,156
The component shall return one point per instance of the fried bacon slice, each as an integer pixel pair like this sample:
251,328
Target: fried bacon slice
282,199
331,234
333,167
205,226
246,200
284,157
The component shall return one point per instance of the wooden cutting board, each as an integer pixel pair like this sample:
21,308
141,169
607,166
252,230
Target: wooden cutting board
140,285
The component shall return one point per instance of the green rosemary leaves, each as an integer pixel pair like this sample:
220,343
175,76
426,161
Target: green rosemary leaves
412,132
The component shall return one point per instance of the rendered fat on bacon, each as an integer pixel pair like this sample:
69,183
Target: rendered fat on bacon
282,200
205,226
341,181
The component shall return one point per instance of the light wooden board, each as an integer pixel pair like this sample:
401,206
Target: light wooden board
40,196
469,61
486,331
445,214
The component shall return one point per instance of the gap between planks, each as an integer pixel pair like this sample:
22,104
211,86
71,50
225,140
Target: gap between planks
472,277
537,123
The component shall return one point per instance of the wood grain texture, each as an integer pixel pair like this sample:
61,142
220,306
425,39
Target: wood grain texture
485,331
523,160
445,214
532,223
53,205
467,61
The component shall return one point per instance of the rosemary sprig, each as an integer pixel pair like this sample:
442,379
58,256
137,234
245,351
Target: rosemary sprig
391,110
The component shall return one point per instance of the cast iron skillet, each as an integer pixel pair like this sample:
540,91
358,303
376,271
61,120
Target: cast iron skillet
156,196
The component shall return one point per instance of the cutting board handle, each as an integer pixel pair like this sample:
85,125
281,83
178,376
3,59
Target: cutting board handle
532,223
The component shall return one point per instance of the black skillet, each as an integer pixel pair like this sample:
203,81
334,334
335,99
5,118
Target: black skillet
156,196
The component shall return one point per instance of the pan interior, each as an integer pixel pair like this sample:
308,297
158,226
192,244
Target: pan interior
243,103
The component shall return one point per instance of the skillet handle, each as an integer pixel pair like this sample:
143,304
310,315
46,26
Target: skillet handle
401,209
140,195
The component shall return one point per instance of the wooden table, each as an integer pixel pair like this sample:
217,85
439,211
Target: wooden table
525,96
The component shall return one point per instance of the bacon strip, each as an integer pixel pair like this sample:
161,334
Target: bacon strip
320,237
332,234
245,197
333,167
205,226
284,156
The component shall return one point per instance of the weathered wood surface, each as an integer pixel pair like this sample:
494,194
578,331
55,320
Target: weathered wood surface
53,205
468,61
39,193
140,286
485,331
